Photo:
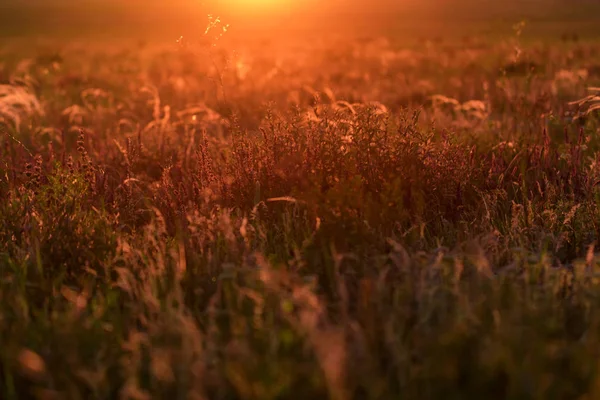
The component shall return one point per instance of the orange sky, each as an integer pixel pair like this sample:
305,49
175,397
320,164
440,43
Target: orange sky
174,17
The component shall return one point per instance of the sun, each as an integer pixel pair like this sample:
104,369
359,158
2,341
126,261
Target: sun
254,7
258,3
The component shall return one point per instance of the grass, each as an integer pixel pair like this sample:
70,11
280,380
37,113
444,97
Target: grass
344,219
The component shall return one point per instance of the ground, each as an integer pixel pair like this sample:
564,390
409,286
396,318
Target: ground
410,210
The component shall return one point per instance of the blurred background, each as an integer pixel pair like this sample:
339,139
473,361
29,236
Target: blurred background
167,18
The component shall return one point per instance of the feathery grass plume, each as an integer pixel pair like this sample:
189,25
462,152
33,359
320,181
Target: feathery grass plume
17,103
588,104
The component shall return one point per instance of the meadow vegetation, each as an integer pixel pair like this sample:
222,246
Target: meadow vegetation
344,219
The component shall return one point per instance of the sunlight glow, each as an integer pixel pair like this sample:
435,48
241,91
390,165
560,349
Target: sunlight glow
259,3
259,7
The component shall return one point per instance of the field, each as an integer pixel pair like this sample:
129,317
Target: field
412,214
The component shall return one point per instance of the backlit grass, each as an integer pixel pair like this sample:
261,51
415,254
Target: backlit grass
344,219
